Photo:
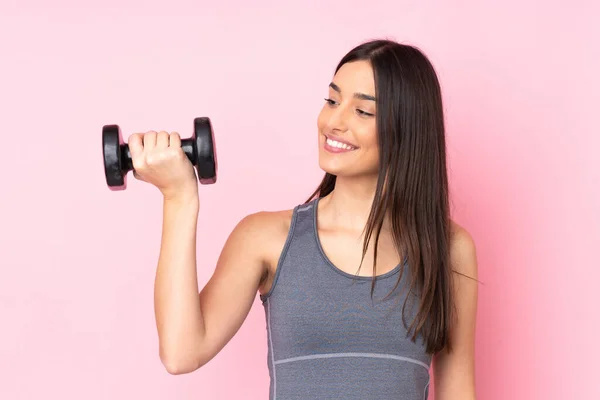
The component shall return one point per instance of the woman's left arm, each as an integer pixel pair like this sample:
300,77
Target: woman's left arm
454,371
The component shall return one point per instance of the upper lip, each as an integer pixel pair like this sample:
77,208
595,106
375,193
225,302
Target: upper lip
339,139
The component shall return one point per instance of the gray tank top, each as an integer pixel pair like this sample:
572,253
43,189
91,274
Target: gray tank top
327,339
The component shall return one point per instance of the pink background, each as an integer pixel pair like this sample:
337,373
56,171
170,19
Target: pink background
522,94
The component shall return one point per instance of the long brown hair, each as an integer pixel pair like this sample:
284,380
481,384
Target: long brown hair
412,183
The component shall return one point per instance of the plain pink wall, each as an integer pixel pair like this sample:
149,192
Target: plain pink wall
522,94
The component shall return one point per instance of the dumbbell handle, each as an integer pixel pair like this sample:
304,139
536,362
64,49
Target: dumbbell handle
186,144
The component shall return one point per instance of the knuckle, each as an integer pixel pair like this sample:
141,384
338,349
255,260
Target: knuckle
173,153
164,137
150,135
138,163
150,160
154,159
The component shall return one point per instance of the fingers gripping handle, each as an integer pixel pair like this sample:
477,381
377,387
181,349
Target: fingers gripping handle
127,162
200,149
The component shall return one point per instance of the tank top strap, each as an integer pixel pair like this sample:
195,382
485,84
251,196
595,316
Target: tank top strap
304,220
300,240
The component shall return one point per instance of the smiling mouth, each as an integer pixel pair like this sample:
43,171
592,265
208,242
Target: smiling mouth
338,146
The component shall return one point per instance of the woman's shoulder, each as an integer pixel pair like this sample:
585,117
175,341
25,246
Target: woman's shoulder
267,233
463,250
267,225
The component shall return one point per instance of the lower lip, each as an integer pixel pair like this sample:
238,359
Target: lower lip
336,150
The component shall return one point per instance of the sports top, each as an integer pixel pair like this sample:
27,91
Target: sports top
327,338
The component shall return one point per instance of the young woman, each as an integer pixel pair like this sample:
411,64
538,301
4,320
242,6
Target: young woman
366,284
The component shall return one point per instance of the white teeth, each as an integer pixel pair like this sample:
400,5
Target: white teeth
339,145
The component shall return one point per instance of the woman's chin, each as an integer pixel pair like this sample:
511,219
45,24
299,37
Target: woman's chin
333,168
346,171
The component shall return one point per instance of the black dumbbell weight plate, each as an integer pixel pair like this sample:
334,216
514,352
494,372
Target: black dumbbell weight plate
111,150
207,152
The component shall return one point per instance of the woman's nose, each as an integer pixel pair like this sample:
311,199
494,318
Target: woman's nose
337,119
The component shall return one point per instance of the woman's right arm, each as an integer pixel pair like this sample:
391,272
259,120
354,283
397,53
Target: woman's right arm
193,327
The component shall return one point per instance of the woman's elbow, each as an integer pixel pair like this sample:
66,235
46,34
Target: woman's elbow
180,364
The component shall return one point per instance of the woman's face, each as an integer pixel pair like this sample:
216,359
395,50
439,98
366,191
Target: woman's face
346,124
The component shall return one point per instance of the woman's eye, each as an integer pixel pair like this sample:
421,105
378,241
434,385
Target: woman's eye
364,113
360,112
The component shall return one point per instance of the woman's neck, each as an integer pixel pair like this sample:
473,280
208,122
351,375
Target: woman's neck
349,204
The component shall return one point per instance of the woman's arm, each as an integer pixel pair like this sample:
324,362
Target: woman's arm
194,326
454,371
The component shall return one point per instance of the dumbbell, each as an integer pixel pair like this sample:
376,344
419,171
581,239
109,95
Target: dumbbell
200,149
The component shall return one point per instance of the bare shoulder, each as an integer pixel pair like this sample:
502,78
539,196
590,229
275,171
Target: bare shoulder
266,224
266,233
256,234
463,252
